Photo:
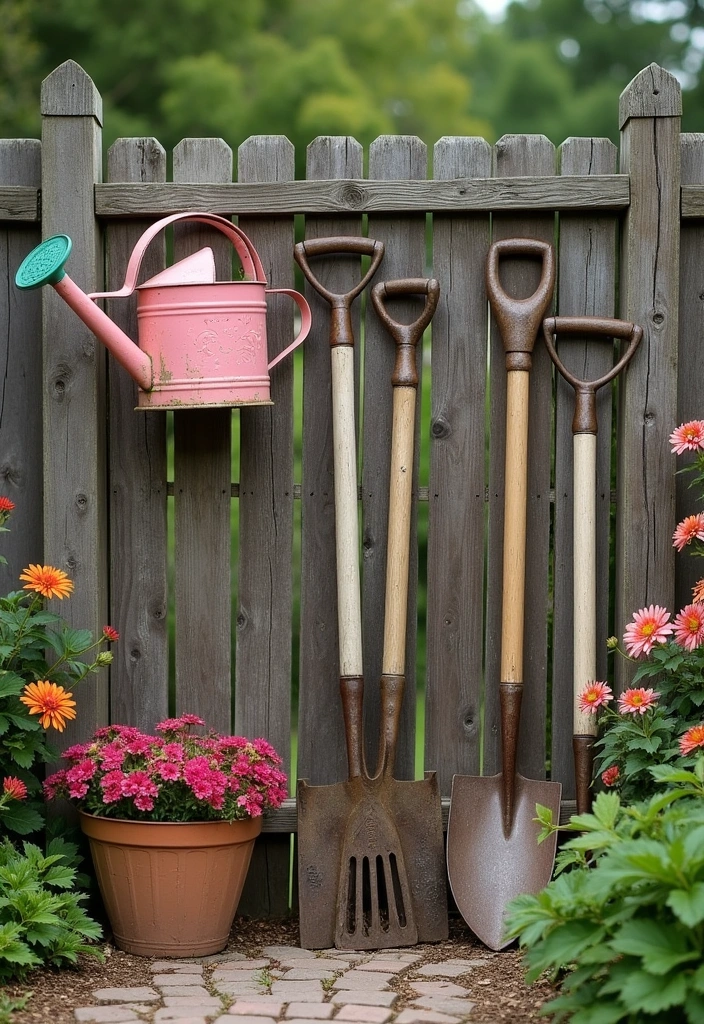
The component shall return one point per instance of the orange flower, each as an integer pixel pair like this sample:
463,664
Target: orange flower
691,528
50,701
637,700
698,592
692,739
14,788
47,581
593,696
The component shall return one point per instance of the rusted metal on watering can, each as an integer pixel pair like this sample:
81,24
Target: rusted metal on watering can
202,342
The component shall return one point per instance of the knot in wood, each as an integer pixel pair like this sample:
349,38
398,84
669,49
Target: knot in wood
440,428
353,197
61,382
81,503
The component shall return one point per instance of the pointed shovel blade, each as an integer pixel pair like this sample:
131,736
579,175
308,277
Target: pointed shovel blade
487,868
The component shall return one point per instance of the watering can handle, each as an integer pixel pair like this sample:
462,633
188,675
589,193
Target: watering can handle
251,264
305,321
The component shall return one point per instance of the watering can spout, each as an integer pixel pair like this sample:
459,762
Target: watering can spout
45,265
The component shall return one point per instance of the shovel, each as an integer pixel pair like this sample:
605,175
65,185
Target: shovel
492,838
392,877
324,811
584,429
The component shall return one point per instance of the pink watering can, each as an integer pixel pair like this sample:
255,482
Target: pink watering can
202,342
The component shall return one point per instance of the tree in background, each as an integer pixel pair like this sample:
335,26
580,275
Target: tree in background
178,68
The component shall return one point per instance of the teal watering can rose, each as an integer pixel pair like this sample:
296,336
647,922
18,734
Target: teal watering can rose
202,342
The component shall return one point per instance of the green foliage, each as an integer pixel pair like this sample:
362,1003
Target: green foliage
42,921
8,1005
35,645
624,927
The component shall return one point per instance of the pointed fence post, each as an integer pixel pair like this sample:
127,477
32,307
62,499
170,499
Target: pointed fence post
649,118
75,506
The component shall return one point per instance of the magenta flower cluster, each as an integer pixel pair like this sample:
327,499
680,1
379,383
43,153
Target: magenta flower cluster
176,775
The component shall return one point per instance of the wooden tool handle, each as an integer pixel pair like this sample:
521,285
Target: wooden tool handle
515,504
584,553
349,610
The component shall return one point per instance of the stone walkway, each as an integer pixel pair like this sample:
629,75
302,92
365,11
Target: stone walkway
295,986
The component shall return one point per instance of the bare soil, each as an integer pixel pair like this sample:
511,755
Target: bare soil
498,988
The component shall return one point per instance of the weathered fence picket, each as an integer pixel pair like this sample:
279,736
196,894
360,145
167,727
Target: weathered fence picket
103,467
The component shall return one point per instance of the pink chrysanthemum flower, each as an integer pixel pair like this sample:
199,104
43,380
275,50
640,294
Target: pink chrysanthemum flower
688,437
691,528
698,592
611,775
637,700
689,626
593,696
692,739
111,634
650,626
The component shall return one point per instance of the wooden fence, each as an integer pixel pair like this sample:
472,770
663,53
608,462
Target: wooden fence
630,241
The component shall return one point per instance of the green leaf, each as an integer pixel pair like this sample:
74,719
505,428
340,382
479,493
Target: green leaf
688,905
21,819
694,1008
663,773
660,946
651,994
698,979
606,808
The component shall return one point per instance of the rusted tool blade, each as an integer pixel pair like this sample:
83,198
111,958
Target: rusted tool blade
374,906
488,867
417,813
323,812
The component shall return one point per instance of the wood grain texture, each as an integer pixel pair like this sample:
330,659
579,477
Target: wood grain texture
321,196
19,202
319,707
692,197
690,383
645,564
265,582
456,523
202,474
515,154
75,506
139,681
20,374
653,92
586,287
393,157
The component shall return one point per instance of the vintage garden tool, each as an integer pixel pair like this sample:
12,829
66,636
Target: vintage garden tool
202,342
492,838
392,888
324,811
584,429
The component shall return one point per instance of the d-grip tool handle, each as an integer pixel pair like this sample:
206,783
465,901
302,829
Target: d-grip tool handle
341,323
519,319
584,430
406,336
404,382
584,421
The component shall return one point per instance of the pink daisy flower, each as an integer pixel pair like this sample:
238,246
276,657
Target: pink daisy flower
610,776
688,437
650,626
691,528
692,739
637,700
593,696
689,626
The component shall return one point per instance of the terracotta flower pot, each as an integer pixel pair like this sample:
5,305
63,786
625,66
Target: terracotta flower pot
170,889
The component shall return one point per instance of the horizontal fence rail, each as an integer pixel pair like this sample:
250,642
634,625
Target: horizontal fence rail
206,537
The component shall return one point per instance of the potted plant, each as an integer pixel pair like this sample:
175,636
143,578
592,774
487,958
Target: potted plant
171,819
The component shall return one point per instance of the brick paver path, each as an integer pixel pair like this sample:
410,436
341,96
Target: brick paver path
294,986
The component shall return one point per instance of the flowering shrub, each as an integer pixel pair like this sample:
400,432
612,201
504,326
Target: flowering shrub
660,724
173,776
34,690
